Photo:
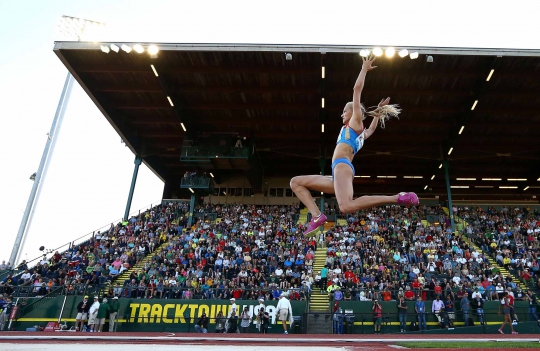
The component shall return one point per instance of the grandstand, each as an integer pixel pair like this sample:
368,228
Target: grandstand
226,126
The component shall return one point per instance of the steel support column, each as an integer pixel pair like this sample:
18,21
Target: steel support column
42,170
191,210
446,165
137,162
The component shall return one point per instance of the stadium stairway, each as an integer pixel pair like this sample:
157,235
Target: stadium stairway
302,218
469,242
124,276
319,301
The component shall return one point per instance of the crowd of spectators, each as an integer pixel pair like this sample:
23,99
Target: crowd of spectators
509,235
100,259
386,253
254,252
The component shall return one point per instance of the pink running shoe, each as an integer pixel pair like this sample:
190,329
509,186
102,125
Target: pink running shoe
515,332
314,224
500,331
408,199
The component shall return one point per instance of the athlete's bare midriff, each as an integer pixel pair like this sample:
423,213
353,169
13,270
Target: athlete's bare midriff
343,150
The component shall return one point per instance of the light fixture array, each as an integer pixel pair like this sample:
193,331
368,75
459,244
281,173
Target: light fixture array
388,52
152,50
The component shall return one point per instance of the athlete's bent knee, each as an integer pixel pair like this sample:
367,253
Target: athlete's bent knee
346,207
295,183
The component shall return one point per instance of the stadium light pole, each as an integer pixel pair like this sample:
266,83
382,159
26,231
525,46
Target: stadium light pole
73,28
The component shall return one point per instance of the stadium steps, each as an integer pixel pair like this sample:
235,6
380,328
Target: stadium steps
124,276
302,218
469,242
319,301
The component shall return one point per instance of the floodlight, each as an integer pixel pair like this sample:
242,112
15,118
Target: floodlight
403,53
105,49
364,52
377,52
153,50
138,48
390,52
115,48
183,126
126,48
413,55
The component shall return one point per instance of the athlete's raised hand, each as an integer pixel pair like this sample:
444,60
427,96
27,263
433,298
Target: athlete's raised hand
384,102
368,63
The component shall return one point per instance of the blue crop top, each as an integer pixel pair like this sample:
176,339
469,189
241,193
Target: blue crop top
350,137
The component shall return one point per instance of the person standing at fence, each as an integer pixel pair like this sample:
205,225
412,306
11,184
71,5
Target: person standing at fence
464,304
257,312
284,309
478,304
449,311
265,322
5,306
420,308
103,310
220,323
234,308
438,309
92,314
402,314
232,323
531,299
377,316
114,305
245,320
339,318
82,313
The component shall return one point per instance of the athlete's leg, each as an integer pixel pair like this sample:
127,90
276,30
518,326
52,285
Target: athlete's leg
302,185
343,185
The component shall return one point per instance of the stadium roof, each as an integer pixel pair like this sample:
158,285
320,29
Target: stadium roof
253,91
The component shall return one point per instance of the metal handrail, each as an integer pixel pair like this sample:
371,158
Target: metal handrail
103,229
37,303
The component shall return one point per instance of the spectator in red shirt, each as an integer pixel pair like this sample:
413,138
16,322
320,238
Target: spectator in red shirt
409,294
438,289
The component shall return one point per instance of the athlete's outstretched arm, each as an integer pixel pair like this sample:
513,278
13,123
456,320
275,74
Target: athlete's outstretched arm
357,91
375,121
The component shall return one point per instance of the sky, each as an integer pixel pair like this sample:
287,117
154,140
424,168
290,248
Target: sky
87,184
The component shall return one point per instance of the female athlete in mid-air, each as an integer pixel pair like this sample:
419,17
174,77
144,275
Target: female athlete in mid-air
350,141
